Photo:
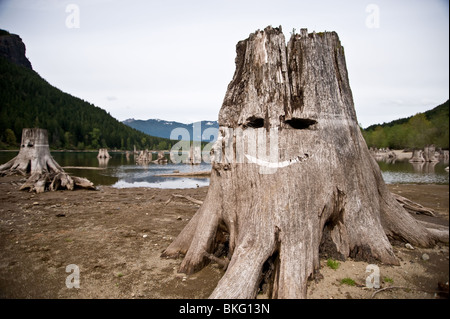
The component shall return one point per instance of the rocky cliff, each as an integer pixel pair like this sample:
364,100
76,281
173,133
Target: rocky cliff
13,49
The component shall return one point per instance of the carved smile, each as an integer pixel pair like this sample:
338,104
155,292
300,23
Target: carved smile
264,163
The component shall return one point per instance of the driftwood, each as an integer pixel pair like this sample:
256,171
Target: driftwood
189,198
291,173
34,160
413,207
188,174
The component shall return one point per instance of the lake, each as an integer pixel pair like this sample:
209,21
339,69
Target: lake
122,173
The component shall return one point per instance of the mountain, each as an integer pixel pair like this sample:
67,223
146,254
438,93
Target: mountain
163,128
13,49
27,100
430,127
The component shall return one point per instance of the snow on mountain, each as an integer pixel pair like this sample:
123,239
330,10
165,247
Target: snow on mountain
161,128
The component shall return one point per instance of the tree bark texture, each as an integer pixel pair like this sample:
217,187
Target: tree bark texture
319,188
34,160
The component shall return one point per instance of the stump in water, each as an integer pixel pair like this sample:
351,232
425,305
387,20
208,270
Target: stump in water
291,174
34,159
417,156
161,158
144,157
103,153
195,154
429,153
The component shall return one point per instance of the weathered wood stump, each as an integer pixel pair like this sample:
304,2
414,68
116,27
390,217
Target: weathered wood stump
417,156
429,153
103,153
144,157
161,159
291,174
34,159
195,154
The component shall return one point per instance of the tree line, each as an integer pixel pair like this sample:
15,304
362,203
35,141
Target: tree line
27,100
431,127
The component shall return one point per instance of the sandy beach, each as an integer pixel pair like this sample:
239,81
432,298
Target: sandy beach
115,238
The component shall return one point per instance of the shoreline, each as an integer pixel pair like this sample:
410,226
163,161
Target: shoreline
204,174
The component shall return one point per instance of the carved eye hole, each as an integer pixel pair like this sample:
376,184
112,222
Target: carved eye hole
255,122
300,124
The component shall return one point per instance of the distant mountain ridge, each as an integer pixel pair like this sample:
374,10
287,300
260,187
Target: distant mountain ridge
205,131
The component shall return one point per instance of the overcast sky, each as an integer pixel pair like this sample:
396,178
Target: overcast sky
174,59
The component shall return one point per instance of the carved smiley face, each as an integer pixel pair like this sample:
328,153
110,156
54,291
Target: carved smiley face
269,148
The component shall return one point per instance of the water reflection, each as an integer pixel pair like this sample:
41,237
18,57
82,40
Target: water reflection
103,162
121,171
403,171
424,167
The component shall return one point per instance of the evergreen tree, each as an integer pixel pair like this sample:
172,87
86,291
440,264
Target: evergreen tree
27,100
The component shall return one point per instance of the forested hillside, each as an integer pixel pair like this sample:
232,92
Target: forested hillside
431,127
27,100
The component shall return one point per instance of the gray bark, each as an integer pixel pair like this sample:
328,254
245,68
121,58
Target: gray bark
34,160
318,187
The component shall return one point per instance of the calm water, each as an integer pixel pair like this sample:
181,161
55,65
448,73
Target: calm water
121,173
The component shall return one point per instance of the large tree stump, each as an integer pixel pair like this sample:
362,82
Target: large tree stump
34,159
318,187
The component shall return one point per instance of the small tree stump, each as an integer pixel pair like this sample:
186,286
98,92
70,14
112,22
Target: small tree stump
417,156
34,160
429,153
103,153
161,159
144,157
